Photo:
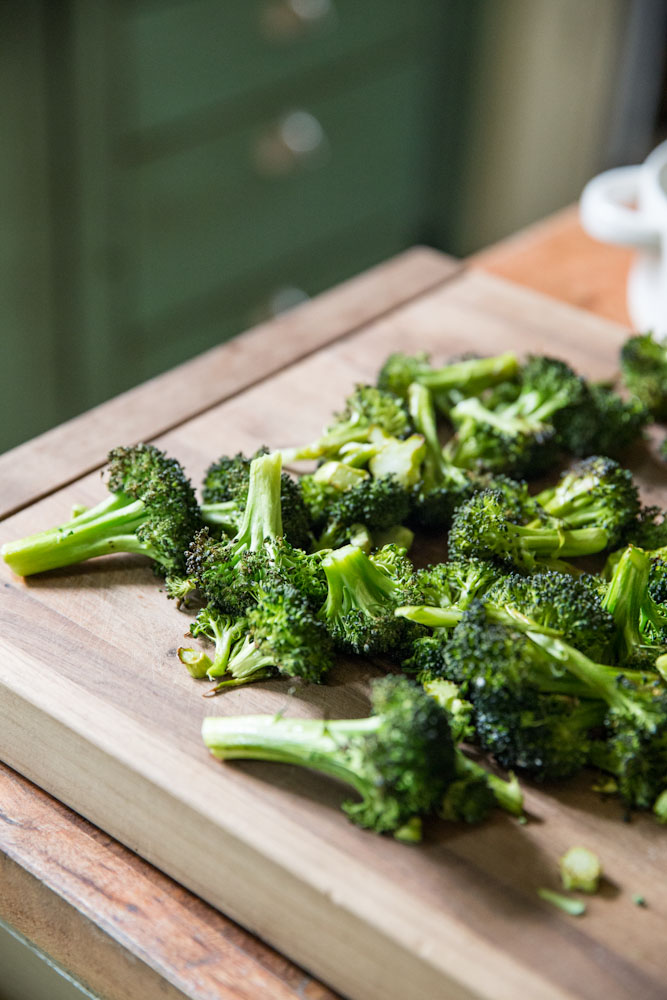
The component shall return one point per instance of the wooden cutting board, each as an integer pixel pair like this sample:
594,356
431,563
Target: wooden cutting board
96,708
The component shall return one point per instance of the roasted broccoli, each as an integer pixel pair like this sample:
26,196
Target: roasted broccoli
151,510
399,760
519,533
641,620
603,423
231,572
597,492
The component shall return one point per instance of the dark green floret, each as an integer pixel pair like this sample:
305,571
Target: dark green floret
400,760
151,510
487,527
518,432
604,423
644,370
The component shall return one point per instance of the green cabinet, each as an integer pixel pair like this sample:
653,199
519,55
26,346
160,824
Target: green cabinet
208,162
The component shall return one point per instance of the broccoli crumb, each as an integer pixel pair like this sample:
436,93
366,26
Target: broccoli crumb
580,870
573,907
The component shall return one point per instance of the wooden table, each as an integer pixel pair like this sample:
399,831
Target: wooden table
117,924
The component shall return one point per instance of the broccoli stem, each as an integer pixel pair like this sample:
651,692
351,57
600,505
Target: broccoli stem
262,517
471,375
224,514
108,527
602,681
312,743
507,794
354,583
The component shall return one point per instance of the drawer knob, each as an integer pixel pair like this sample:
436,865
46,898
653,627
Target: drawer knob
284,21
295,141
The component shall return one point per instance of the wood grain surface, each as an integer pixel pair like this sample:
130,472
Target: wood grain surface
97,709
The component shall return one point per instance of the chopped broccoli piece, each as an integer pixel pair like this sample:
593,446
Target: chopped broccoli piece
487,527
580,870
641,622
573,907
604,423
596,492
151,510
400,760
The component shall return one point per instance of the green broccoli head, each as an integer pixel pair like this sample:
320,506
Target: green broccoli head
644,371
603,423
596,492
225,495
362,598
400,760
151,510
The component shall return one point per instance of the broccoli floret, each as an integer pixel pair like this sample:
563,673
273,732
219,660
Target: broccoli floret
636,720
603,423
487,527
376,503
467,377
644,370
443,486
151,510
641,621
280,635
400,760
221,630
225,494
366,409
231,572
596,492
543,735
363,594
520,435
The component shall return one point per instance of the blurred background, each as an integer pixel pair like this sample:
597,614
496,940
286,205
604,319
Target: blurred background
174,171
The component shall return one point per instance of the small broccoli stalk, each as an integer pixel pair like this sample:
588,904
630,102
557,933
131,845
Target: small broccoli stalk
361,600
225,495
641,624
447,589
596,492
219,629
443,486
467,377
519,435
367,408
644,371
485,527
399,760
279,636
151,510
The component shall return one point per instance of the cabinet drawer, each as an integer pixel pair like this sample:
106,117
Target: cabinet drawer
187,57
245,303
211,214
